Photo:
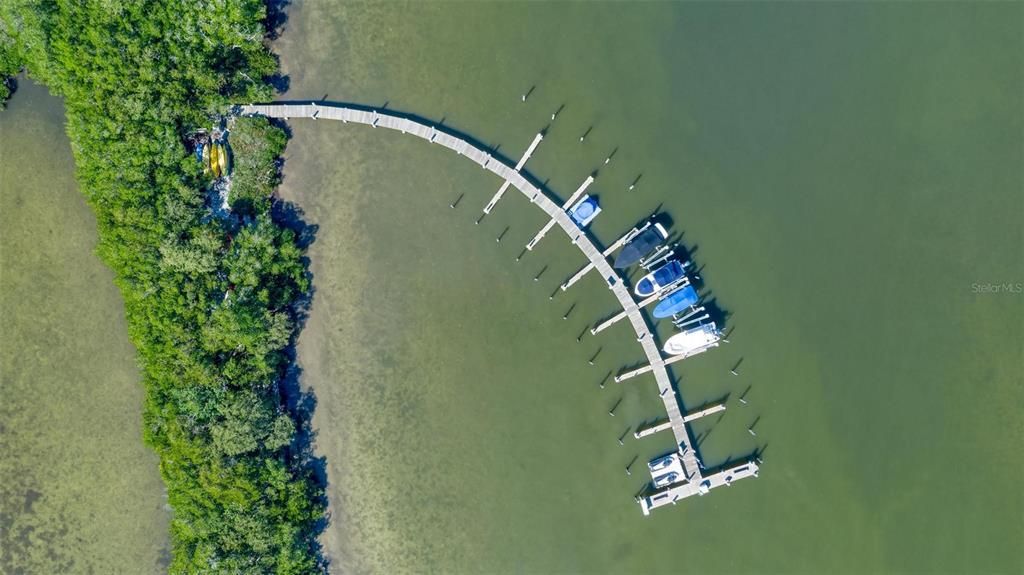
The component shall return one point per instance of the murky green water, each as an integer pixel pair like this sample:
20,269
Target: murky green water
850,174
79,492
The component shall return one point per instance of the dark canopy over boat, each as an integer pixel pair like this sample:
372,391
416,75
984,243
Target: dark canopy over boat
640,246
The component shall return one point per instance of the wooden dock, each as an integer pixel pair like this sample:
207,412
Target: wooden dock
607,252
694,415
568,203
675,358
682,282
522,162
443,136
725,477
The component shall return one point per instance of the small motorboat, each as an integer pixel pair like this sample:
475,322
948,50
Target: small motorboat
659,278
666,479
584,211
222,158
662,462
214,160
199,152
640,246
676,302
692,339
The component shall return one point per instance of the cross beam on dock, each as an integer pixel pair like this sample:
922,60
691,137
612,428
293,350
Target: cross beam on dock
433,133
519,166
709,409
579,192
642,370
611,249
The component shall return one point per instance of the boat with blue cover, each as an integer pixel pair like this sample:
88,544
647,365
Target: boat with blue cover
585,210
640,246
676,302
659,278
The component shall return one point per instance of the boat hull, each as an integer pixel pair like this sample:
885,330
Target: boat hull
222,159
676,302
659,278
640,246
691,340
206,159
214,161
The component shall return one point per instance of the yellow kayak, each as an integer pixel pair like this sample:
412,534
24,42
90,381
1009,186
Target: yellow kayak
206,159
214,160
222,159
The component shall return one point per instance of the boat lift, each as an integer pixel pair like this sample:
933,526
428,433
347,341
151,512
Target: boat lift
660,254
677,320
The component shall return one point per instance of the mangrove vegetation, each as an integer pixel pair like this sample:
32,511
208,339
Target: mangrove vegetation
213,303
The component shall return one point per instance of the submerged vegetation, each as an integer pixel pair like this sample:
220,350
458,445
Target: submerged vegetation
211,302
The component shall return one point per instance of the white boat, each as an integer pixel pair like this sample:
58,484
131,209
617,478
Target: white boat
692,339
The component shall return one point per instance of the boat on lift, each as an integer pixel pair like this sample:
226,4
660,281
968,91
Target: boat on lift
640,246
676,302
584,211
665,275
692,339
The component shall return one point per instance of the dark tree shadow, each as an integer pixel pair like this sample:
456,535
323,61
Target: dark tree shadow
300,402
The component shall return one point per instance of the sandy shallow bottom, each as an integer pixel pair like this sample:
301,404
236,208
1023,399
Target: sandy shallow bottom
79,492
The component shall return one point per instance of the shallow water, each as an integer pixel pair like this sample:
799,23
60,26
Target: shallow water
850,177
79,492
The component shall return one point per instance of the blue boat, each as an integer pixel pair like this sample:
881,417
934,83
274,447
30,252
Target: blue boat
199,153
676,302
659,278
585,211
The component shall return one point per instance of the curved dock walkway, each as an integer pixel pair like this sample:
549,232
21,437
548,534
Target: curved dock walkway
462,145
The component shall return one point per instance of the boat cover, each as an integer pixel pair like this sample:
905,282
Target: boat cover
639,247
585,210
676,302
663,276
